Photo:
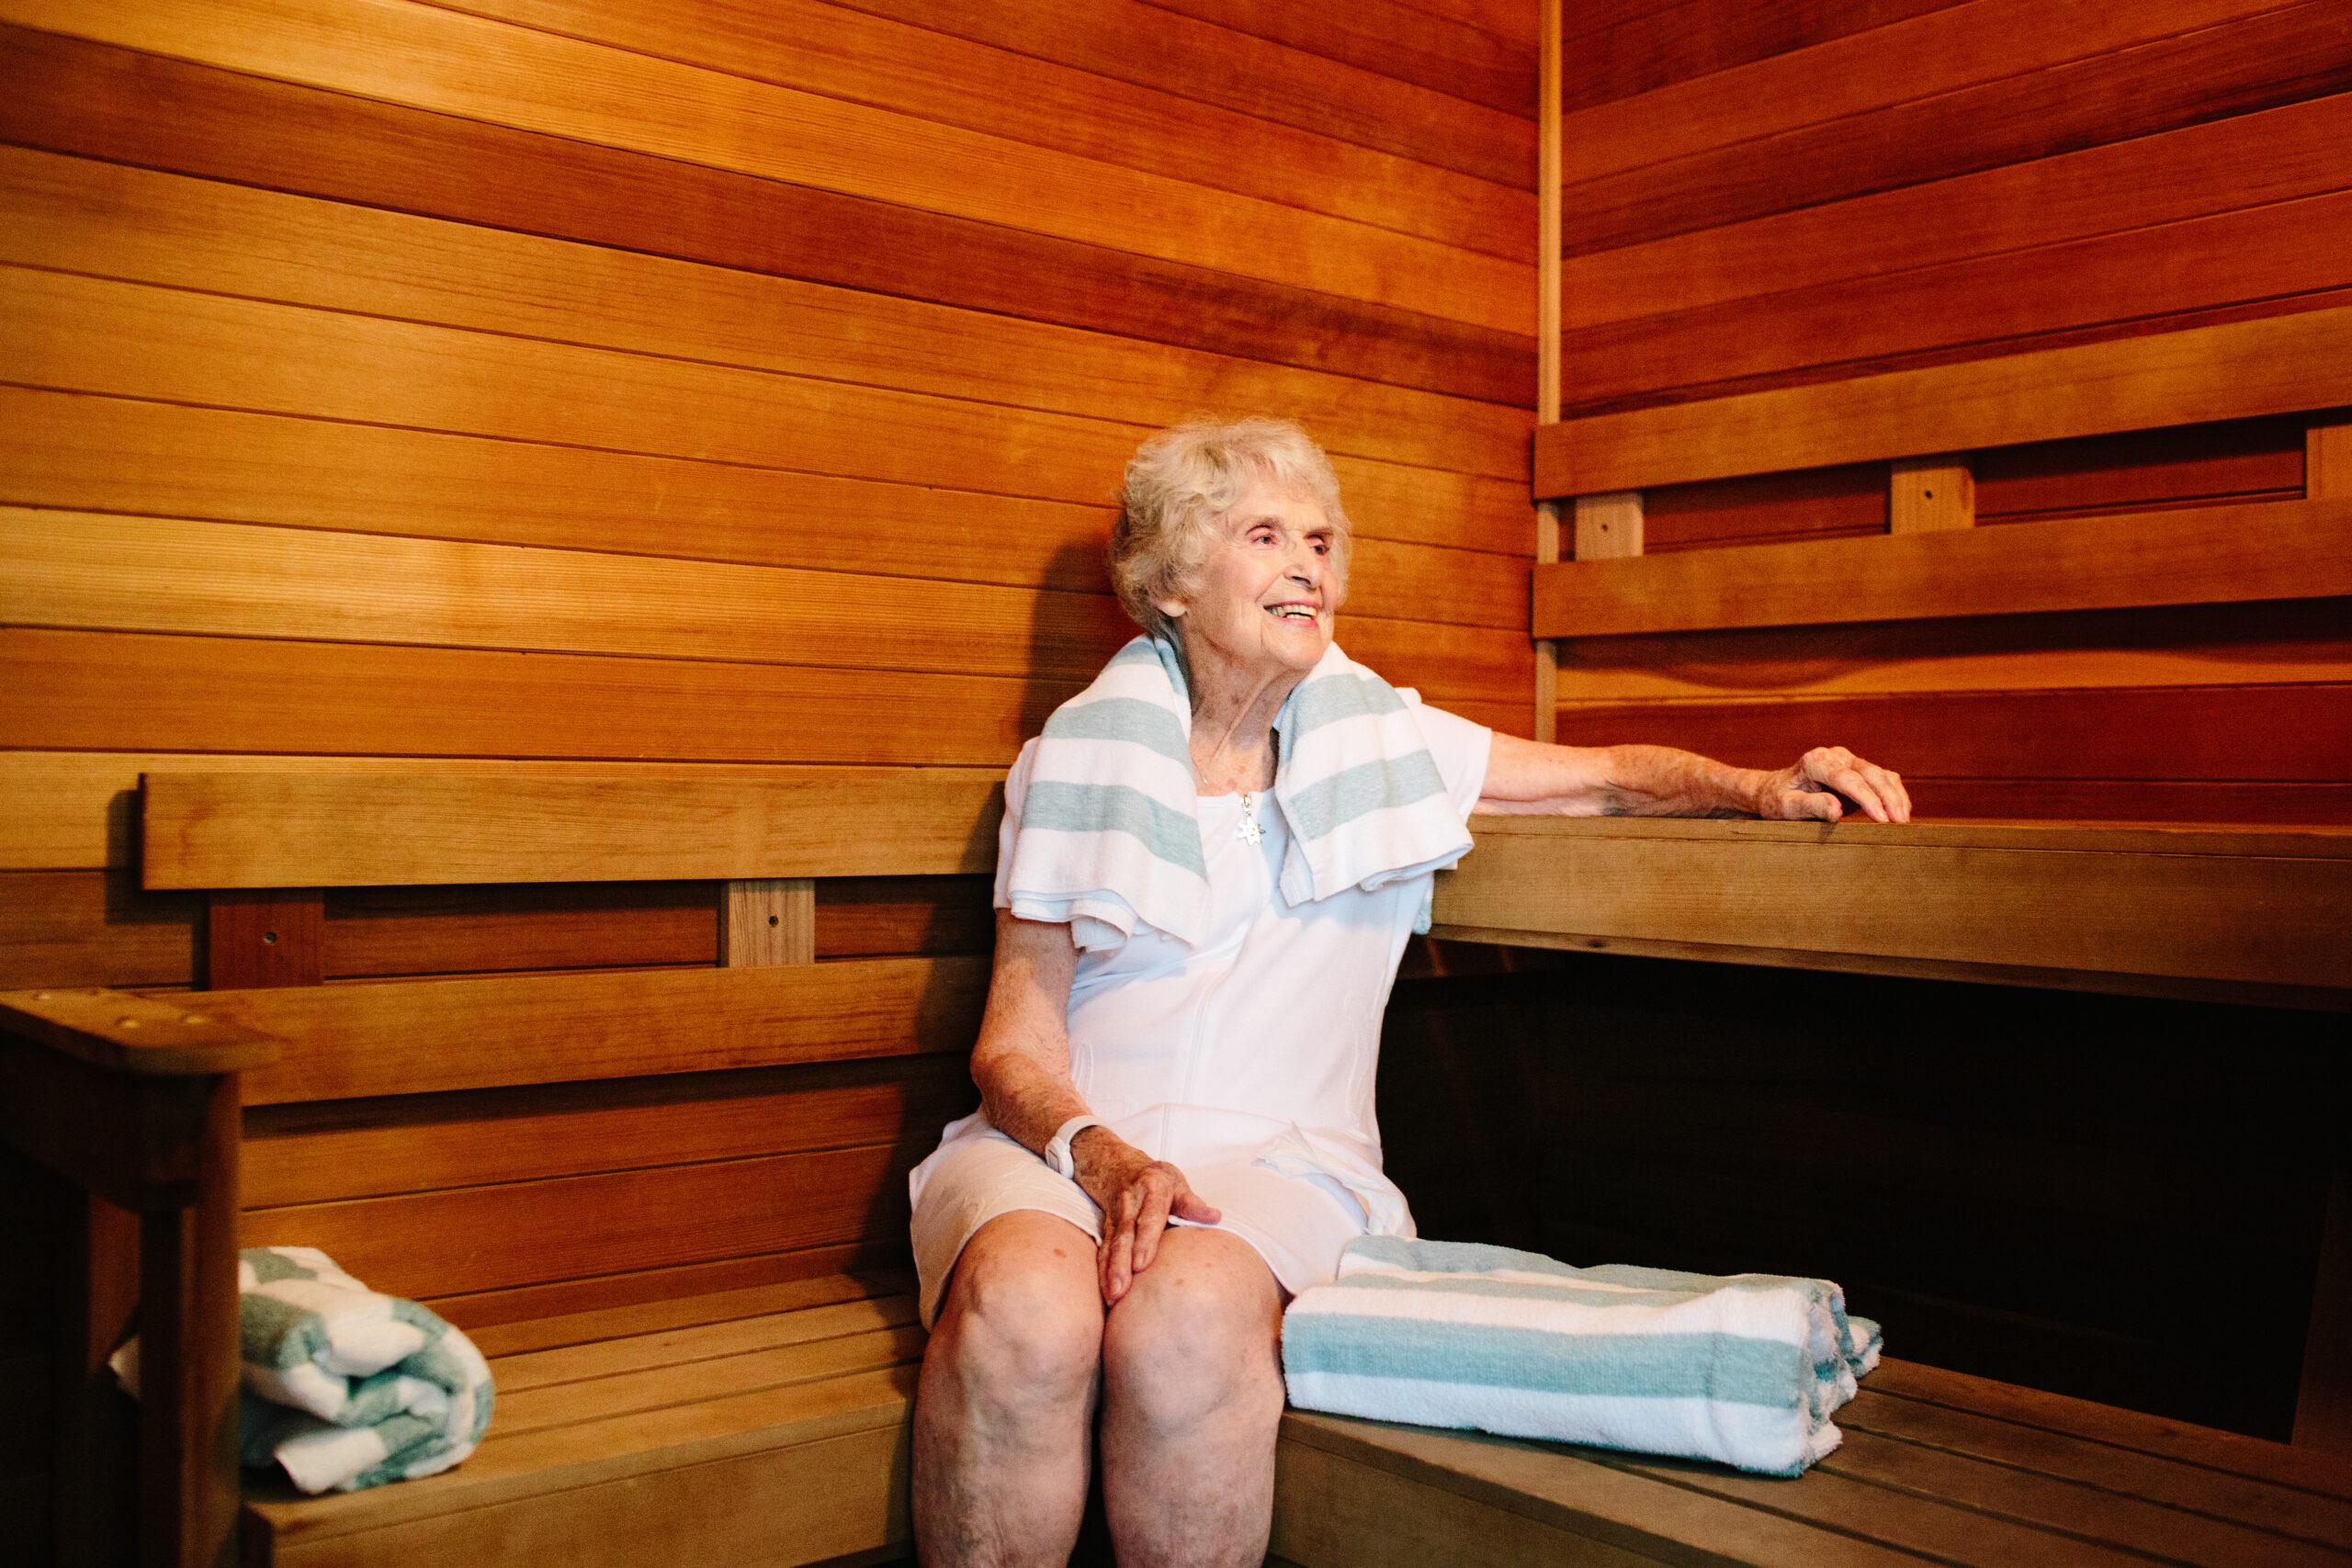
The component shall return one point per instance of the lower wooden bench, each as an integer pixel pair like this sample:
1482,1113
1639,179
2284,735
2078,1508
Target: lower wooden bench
770,1425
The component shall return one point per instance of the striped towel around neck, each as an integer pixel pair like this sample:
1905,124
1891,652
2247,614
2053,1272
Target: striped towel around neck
1742,1368
1110,832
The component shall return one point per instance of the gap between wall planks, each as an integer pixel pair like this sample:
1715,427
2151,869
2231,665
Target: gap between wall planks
1547,334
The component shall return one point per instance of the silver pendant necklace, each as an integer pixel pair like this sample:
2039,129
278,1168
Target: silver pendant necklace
1249,832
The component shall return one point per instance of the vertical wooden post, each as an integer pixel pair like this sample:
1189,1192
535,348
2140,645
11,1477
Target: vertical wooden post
96,1295
2327,460
767,920
1547,331
188,1343
1925,494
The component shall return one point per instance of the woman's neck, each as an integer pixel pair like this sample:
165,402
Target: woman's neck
1233,727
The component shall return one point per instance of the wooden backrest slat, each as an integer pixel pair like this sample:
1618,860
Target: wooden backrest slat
421,1036
2280,550
381,828
2235,370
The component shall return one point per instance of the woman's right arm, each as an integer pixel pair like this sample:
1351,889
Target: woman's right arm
1022,1065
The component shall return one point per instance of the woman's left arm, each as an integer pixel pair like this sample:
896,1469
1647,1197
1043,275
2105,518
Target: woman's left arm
1530,776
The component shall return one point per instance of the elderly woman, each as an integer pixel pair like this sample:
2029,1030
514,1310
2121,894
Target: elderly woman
1209,867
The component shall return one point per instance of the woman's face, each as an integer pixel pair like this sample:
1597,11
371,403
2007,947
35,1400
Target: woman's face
1261,604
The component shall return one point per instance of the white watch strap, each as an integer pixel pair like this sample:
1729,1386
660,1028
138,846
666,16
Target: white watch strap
1057,1151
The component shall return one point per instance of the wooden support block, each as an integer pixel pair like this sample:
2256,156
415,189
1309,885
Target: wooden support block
1609,527
2327,460
1924,495
767,920
269,936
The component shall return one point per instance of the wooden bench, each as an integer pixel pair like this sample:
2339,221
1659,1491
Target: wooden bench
690,1410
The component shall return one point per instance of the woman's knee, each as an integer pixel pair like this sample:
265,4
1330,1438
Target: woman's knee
1199,1331
1023,1320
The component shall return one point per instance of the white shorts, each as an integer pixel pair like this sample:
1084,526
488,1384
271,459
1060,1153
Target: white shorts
1298,1227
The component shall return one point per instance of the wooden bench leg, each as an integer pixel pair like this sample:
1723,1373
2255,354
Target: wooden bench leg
188,1350
96,1298
2324,1403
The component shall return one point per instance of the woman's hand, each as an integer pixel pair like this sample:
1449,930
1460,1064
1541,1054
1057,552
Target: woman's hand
1137,1194
1806,790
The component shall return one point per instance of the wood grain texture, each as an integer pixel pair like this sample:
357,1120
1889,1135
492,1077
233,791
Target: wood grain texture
197,693
2181,466
2327,460
138,1036
425,1244
73,96
2282,551
93,928
84,334
1608,527
2244,161
1131,41
266,936
380,932
1755,508
1389,38
767,920
170,230
396,1037
1628,49
87,570
2237,62
319,828
2238,369
311,1153
2293,734
491,71
1930,496
2269,252
76,452
872,60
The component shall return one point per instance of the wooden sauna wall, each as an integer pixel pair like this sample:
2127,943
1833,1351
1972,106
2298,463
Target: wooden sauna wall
1756,196
2018,1182
693,382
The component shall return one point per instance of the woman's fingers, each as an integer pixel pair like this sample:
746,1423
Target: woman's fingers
1191,1205
1150,1221
1118,1247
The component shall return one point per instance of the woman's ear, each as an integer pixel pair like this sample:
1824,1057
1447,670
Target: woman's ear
1171,608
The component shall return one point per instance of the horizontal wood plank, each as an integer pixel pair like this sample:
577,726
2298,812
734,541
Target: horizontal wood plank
133,225
79,452
396,1037
2183,906
477,1238
1131,41
382,933
493,71
93,928
2273,252
2285,734
661,1289
596,1325
323,1151
2281,550
2223,165
2238,369
841,53
2072,80
321,829
89,336
196,693
1390,38
1630,50
73,96
103,572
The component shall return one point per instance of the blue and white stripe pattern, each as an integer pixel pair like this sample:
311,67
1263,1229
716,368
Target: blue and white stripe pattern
1743,1369
1109,832
347,1388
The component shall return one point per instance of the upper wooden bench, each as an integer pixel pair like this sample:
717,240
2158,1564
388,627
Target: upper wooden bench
769,1421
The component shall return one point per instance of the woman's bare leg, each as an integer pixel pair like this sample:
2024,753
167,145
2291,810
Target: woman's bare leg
1007,1397
1191,1396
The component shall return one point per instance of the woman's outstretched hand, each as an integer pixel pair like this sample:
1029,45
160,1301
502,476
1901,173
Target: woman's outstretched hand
1815,786
1137,1194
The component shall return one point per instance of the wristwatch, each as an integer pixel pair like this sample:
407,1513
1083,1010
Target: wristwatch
1056,1150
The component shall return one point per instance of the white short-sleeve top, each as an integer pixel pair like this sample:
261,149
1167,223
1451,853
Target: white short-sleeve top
1247,1060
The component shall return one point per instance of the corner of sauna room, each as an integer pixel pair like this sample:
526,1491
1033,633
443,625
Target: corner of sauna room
516,511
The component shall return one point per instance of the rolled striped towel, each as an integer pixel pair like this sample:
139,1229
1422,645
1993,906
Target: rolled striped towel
1110,832
346,1388
1743,1369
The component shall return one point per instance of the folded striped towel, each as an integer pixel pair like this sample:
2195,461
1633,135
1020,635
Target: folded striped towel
1110,832
1742,1368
